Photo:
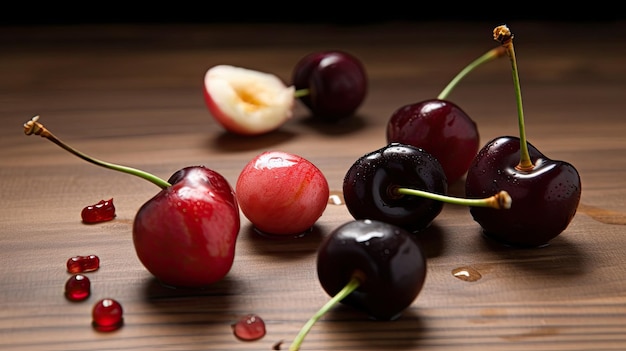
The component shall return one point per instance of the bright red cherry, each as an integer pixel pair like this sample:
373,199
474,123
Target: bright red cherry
332,84
282,193
185,235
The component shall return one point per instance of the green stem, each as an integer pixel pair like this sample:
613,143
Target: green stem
501,200
505,37
352,285
301,92
34,127
484,58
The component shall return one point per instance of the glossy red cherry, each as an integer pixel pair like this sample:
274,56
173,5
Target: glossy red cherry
335,83
545,192
186,234
441,127
369,186
282,193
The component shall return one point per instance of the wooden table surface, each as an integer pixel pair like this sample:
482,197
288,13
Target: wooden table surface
132,94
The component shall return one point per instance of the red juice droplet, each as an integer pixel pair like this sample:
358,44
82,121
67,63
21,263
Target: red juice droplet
250,327
77,288
107,315
103,211
82,264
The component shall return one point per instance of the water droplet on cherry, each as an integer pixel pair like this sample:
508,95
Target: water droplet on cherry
107,315
77,288
249,327
82,264
467,274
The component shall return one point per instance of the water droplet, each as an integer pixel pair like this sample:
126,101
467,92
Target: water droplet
467,274
249,327
336,198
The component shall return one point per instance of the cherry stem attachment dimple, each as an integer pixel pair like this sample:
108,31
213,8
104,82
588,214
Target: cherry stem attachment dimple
490,55
352,285
34,127
501,200
503,35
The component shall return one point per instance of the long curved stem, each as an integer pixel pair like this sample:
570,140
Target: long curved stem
34,127
503,35
484,58
501,200
352,285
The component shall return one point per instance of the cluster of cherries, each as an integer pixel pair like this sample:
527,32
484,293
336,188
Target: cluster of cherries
517,195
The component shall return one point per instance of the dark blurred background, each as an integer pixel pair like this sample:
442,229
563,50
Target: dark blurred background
337,12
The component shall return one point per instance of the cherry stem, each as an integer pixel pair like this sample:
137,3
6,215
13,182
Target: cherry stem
34,127
301,92
490,55
501,200
352,285
503,35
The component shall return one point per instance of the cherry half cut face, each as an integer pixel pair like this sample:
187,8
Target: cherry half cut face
545,198
369,184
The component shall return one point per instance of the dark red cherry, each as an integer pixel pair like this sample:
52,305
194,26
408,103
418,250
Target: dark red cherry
545,197
336,82
370,183
387,260
440,127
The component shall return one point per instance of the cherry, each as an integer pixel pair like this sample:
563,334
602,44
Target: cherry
372,266
332,84
440,126
102,211
77,287
282,193
545,192
82,264
185,235
249,327
107,315
380,185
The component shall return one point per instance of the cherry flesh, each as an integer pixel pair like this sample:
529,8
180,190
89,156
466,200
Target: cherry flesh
77,287
107,315
336,83
440,127
102,211
369,186
185,235
386,259
249,328
282,193
82,264
545,198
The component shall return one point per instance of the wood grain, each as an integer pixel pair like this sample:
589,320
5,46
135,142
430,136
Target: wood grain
133,95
